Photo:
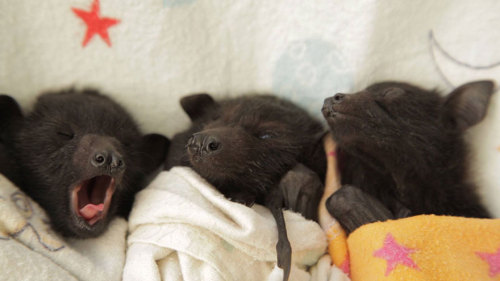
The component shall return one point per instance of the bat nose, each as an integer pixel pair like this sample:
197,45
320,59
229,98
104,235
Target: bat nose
203,144
328,104
108,158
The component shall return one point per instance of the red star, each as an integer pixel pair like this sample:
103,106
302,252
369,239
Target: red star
95,23
493,259
395,254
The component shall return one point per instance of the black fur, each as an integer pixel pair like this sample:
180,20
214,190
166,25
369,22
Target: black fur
246,146
8,166
260,138
404,146
9,114
73,136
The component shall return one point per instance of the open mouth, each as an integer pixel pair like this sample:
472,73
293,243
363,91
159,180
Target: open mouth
91,198
327,111
331,112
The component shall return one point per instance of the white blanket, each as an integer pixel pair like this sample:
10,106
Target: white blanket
30,250
181,228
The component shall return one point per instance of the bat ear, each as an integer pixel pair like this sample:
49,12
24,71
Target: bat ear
154,149
197,104
467,105
10,114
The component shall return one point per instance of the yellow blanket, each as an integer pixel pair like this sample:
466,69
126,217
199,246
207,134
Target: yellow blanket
424,247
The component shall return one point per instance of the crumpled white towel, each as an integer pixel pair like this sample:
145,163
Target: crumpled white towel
181,228
30,250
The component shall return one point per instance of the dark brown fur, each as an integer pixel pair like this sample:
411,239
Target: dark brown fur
246,146
9,114
56,147
403,146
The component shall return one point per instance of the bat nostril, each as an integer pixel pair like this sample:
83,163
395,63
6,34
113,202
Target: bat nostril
338,98
99,159
117,163
213,146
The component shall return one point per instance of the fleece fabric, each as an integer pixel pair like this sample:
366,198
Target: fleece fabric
30,250
182,228
426,247
419,248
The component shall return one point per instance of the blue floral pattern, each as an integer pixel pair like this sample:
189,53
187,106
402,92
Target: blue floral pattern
309,71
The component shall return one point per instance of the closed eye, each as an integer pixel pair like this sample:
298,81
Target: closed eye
384,108
393,92
268,130
265,136
68,135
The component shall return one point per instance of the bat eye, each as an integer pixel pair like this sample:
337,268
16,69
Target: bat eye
265,136
392,92
67,135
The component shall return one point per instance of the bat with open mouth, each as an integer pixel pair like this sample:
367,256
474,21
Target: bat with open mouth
81,156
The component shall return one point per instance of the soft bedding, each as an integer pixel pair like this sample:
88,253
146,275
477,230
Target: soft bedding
423,248
149,53
426,247
182,228
30,250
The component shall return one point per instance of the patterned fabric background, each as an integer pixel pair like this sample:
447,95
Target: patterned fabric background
147,54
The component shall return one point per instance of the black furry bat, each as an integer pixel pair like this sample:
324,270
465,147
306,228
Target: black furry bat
401,152
252,149
81,157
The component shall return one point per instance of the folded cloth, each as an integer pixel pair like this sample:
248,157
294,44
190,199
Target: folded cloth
30,250
181,228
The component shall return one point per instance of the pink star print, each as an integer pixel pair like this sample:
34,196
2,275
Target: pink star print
493,259
394,254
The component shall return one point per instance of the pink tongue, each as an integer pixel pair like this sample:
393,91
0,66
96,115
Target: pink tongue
90,211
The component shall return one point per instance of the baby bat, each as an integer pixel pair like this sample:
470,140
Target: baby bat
401,152
80,156
252,149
